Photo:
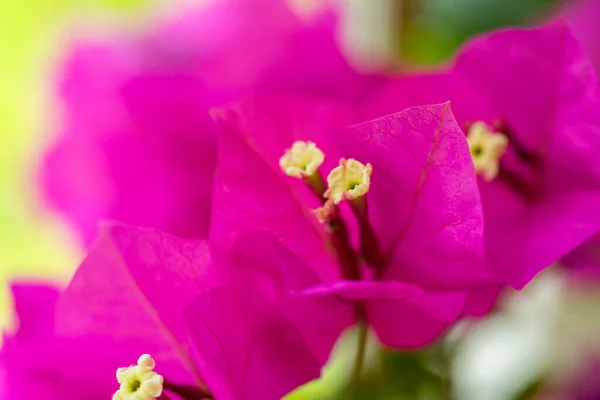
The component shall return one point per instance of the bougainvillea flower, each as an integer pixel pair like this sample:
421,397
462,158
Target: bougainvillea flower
122,303
137,143
409,180
126,303
535,95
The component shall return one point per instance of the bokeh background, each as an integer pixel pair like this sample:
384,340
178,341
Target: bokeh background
528,348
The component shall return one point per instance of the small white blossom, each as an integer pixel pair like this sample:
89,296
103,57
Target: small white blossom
139,382
348,181
302,160
486,149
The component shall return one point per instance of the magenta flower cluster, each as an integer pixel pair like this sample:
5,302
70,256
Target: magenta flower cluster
282,197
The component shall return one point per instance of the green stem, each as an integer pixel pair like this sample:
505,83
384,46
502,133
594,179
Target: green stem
316,183
363,329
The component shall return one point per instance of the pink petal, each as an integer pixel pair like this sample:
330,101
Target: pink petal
34,305
404,316
365,290
130,292
129,148
417,322
254,337
37,364
581,15
556,114
469,100
251,192
584,261
424,200
246,346
481,301
279,49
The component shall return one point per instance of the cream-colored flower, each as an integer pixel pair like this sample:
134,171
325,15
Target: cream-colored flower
302,160
486,148
348,181
139,382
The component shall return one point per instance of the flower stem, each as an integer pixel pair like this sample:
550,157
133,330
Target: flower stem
316,183
361,350
345,254
369,243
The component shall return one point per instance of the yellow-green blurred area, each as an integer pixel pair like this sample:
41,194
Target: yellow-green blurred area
32,244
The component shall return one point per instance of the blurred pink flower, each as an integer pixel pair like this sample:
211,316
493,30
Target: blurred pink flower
256,338
423,208
536,87
137,143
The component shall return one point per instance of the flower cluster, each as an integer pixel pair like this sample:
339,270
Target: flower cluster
308,198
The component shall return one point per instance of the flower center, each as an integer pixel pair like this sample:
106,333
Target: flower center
301,160
139,382
134,384
476,151
486,147
348,181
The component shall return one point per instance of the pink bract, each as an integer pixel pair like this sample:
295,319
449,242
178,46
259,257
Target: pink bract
424,204
542,87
